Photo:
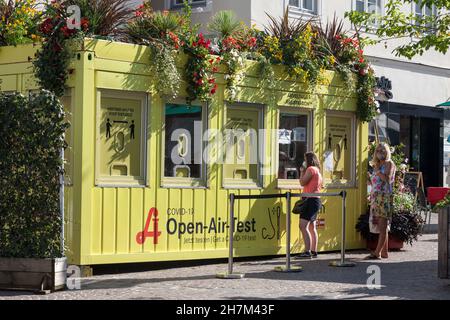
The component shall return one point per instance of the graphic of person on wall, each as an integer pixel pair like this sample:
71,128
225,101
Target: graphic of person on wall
132,129
108,128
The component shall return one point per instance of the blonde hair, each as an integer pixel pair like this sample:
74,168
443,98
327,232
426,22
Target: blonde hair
375,161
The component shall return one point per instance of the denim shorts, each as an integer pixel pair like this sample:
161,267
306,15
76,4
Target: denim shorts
312,208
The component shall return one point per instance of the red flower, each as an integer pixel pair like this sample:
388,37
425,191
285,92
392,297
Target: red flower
46,26
251,42
361,60
84,23
213,90
138,13
212,80
67,32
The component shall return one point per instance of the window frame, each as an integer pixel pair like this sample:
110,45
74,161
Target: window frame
380,5
434,11
351,183
193,4
301,10
184,182
291,183
258,183
132,181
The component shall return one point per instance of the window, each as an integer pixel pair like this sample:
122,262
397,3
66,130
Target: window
424,11
294,140
242,146
339,157
179,3
121,138
183,145
369,6
309,6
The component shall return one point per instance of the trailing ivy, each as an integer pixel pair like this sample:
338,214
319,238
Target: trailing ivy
51,66
30,167
366,108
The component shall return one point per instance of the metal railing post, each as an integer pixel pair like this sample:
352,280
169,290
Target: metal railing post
288,267
342,263
230,274
288,231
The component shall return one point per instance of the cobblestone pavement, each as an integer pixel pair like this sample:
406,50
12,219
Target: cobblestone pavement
409,274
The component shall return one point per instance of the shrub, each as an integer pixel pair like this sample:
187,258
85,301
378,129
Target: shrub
31,130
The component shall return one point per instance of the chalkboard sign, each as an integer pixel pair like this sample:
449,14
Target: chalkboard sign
413,181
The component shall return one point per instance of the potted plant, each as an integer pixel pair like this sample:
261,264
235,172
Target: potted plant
405,226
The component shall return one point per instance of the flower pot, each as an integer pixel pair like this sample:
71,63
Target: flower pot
39,275
393,244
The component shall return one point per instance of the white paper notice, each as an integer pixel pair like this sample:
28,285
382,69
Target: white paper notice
299,134
328,161
284,136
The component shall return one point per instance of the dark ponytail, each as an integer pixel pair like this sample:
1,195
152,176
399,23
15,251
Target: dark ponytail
312,160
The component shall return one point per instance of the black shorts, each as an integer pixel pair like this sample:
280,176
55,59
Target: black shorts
312,208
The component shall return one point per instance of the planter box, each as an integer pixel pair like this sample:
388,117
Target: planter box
444,243
41,275
394,244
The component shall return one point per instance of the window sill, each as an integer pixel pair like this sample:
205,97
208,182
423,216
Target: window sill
119,185
300,12
288,184
241,184
183,183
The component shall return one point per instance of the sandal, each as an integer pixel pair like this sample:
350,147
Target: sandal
372,257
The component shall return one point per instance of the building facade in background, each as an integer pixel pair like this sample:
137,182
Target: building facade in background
414,87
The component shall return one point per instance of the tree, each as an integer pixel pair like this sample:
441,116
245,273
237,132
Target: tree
424,31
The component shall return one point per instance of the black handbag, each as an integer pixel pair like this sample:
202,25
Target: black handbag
299,206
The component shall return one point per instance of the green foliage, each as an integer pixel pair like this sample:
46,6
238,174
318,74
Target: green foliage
200,69
31,130
18,20
148,25
225,23
106,17
53,58
424,32
406,223
444,202
406,226
403,202
367,108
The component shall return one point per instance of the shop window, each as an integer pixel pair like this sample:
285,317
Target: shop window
183,146
121,138
294,140
242,146
339,155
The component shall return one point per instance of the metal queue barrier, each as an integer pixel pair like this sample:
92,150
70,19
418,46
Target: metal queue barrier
288,195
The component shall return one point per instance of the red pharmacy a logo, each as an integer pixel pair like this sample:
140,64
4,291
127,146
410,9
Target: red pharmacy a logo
141,236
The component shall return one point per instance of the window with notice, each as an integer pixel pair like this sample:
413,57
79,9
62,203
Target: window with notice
294,140
339,156
121,138
242,165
